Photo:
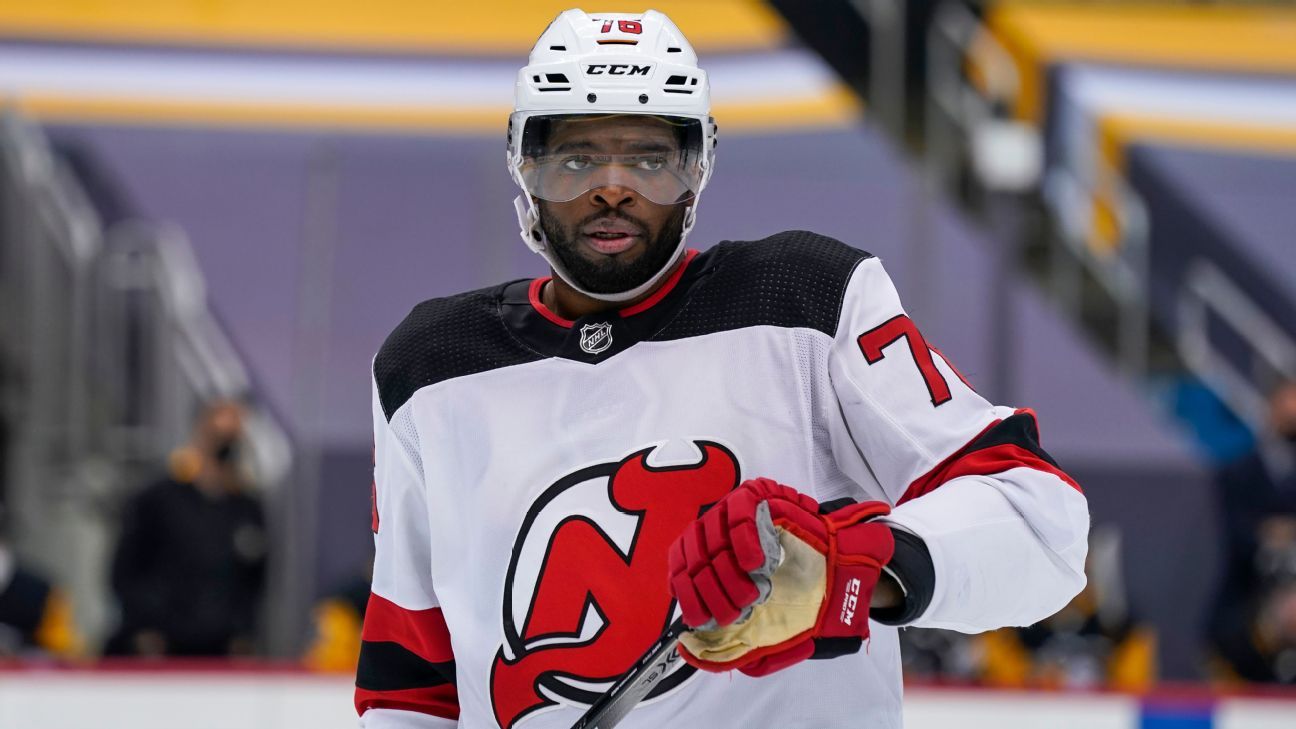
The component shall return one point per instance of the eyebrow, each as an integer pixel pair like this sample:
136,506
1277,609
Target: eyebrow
574,145
652,145
646,145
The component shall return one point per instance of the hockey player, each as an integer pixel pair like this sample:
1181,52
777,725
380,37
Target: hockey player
545,448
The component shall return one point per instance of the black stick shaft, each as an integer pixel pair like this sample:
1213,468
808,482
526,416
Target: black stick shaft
631,688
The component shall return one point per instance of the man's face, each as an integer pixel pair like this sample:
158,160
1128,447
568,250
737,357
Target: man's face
611,238
220,430
1282,411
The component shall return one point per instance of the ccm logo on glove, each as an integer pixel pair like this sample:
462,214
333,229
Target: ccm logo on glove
766,579
848,604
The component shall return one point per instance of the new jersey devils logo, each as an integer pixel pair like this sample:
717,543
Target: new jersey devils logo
586,592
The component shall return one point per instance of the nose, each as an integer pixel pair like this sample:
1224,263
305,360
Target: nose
612,196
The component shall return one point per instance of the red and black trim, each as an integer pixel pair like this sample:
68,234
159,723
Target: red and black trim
667,286
406,661
873,343
1004,444
537,287
544,331
791,279
533,296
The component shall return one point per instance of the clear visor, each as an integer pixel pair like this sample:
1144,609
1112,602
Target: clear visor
660,158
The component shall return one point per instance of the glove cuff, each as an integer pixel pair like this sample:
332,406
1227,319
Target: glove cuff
833,647
911,566
860,549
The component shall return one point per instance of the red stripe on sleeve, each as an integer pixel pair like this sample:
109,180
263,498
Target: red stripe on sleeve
442,701
421,632
1031,412
988,461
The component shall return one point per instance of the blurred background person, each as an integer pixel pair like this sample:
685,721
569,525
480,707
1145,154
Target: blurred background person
1097,641
1252,628
35,616
939,656
189,569
337,621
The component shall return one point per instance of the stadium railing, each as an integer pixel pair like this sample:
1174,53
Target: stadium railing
972,138
108,348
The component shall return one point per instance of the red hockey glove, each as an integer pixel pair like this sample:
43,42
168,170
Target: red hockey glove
767,580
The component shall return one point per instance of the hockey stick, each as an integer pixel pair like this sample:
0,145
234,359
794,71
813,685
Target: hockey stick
631,688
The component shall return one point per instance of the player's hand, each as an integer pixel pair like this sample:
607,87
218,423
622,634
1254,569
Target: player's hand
766,580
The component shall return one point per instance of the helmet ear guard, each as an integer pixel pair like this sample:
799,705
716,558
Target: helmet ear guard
604,65
529,221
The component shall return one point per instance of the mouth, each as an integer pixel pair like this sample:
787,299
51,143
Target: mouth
611,237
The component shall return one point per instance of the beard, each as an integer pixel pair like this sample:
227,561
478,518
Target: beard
611,274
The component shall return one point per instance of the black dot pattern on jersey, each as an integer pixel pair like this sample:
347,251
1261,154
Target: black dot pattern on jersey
791,279
442,339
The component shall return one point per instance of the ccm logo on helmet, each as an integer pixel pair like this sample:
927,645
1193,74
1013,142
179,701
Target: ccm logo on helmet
616,69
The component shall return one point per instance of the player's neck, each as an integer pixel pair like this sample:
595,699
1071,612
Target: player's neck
559,297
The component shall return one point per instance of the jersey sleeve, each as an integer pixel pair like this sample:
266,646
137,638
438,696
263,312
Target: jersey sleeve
1002,531
406,674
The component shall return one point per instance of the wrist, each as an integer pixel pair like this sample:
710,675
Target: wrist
913,576
888,594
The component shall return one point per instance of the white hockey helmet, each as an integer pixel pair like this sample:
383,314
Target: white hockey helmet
597,66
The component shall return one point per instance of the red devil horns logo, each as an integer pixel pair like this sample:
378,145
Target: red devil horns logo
586,589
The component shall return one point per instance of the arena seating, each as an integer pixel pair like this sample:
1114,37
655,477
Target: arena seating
1169,132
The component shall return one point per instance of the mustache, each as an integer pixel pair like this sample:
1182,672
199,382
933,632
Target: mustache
611,214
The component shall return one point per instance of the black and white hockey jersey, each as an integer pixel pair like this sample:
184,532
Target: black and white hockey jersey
531,473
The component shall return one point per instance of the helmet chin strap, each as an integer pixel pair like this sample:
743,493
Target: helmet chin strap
533,235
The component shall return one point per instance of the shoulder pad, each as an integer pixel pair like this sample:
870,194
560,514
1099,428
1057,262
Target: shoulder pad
790,279
442,339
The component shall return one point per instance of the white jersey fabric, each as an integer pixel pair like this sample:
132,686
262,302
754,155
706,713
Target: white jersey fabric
531,473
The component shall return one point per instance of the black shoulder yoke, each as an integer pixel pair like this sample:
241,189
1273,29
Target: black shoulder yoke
442,339
791,279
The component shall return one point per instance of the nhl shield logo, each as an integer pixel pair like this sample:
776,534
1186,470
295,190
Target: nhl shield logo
596,338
